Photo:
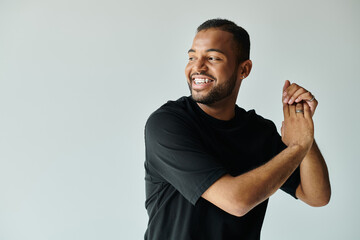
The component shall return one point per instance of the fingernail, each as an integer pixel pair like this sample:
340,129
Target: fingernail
284,94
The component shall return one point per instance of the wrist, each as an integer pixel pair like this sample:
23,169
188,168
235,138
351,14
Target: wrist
298,150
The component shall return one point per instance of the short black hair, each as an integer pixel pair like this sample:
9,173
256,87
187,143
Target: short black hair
241,36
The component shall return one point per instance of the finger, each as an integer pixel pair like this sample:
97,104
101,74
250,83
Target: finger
305,96
296,95
292,110
307,111
286,110
313,104
290,91
309,98
286,85
299,109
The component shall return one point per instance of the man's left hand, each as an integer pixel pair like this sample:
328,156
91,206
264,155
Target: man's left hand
293,93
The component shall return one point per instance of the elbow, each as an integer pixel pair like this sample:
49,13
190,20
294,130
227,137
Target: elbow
324,201
245,204
321,201
239,212
318,198
325,198
318,203
241,209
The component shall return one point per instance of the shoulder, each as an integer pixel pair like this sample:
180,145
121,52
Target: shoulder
257,121
174,118
172,112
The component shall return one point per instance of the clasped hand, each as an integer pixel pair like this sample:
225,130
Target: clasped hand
298,106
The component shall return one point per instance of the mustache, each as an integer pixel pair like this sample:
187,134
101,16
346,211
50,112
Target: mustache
204,74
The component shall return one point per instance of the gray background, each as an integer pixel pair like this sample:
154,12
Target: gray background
78,80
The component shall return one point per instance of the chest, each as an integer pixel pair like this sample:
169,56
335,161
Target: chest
239,149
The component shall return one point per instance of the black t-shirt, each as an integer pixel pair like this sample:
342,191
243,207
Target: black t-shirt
186,152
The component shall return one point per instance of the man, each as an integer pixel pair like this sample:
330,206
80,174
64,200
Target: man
210,165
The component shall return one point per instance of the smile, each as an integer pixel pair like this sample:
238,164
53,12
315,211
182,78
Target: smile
199,81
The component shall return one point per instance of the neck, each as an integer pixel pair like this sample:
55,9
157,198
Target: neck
222,110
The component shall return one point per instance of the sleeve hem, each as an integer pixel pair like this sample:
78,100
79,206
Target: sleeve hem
206,184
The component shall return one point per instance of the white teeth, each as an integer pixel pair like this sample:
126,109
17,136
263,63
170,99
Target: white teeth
201,80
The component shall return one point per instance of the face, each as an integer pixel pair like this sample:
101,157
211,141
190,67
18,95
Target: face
212,68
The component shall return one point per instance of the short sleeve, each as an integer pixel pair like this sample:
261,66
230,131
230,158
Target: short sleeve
175,152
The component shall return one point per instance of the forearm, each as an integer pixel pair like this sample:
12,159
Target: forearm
238,195
315,187
267,179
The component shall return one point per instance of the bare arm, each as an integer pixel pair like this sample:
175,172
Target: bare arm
314,188
238,195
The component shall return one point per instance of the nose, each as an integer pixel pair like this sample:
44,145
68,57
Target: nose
200,65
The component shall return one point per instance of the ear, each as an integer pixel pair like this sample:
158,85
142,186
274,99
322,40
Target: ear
244,68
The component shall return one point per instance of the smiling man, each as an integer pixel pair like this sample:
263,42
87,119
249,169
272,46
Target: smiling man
210,165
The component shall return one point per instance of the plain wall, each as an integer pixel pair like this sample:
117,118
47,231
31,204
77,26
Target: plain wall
78,80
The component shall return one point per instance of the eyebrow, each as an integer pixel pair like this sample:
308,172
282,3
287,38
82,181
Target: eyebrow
209,50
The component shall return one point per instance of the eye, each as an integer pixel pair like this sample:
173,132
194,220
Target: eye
214,59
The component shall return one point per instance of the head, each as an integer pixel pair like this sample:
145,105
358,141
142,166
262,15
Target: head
240,36
218,61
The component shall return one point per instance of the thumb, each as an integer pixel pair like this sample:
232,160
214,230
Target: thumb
307,111
286,85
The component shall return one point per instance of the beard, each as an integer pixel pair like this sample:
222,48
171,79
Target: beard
217,93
